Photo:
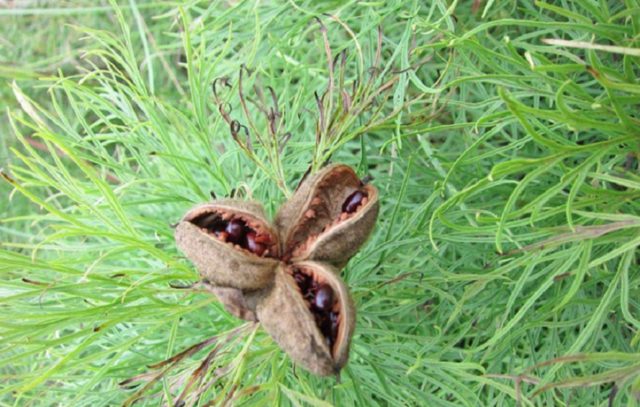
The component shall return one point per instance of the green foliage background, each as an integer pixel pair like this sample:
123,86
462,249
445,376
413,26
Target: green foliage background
504,269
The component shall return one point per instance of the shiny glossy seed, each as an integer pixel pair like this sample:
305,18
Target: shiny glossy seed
235,229
352,202
324,298
253,245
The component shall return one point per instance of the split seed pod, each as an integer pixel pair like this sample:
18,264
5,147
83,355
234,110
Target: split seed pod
329,217
310,314
284,276
231,244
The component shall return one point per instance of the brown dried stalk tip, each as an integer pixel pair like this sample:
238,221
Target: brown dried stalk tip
329,217
230,243
310,314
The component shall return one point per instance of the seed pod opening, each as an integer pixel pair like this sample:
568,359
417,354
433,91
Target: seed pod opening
309,313
231,243
242,230
329,217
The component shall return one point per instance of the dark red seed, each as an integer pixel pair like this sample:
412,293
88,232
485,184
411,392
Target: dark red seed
328,331
254,246
299,277
303,281
323,300
211,222
323,322
333,317
235,229
352,202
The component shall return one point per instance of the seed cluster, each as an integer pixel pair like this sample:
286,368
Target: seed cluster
321,301
284,275
319,297
236,231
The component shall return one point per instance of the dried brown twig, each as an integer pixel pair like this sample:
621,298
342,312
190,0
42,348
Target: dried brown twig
192,382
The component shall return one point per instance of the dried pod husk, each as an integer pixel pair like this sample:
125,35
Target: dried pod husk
329,217
230,243
234,301
314,329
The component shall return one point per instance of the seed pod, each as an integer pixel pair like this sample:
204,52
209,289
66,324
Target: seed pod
316,337
214,237
328,218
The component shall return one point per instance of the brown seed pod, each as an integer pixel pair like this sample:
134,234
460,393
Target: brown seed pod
230,243
284,276
309,313
329,217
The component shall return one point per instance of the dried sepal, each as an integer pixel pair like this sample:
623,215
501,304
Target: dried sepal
234,301
315,332
329,217
230,243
